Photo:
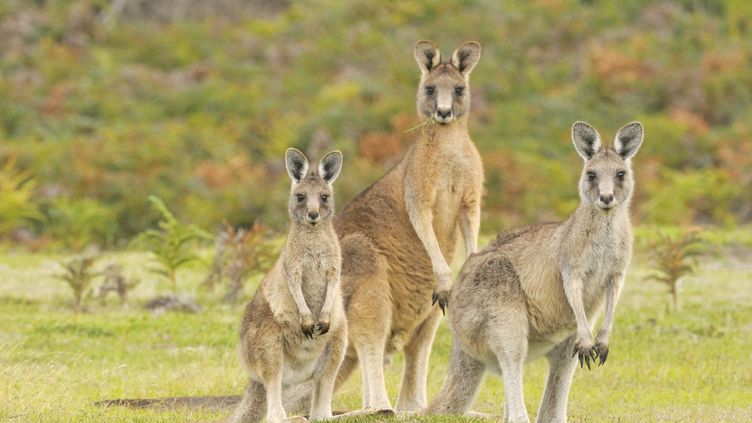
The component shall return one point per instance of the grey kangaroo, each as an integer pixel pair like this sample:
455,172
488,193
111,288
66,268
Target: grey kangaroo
294,329
536,291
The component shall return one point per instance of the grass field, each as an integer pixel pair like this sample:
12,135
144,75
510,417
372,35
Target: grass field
690,365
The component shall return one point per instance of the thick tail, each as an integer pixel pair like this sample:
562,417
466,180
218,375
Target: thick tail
217,402
252,406
297,399
462,382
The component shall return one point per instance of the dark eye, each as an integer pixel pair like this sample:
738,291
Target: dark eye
324,198
620,174
591,176
300,197
430,90
459,90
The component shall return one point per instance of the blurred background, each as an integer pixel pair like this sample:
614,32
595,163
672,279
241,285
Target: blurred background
143,193
103,103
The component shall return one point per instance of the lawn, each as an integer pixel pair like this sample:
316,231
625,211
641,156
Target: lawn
688,365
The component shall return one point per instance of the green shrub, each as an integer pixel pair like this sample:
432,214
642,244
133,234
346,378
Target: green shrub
17,205
675,257
79,274
171,244
80,222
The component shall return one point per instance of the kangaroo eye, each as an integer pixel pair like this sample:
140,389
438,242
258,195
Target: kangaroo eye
325,198
430,90
591,176
620,174
459,90
300,198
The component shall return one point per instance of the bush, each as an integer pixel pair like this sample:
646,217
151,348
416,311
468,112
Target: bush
674,258
171,245
239,254
79,274
17,205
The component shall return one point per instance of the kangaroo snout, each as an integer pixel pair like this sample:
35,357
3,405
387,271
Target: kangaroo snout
607,198
443,115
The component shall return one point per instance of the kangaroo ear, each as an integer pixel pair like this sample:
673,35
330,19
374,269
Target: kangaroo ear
466,57
427,55
330,165
628,140
586,140
297,164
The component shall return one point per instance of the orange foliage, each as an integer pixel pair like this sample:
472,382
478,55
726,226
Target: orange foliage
696,123
219,175
382,146
617,68
717,62
737,160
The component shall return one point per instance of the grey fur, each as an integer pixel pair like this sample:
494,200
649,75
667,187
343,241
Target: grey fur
294,329
536,291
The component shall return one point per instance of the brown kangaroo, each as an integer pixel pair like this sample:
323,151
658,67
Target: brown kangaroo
398,236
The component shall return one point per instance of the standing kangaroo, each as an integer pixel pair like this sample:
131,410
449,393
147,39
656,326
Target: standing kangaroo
399,235
294,329
536,291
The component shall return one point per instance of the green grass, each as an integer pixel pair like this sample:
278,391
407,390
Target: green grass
689,365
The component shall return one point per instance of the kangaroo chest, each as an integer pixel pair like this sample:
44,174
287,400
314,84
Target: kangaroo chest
315,273
601,260
458,175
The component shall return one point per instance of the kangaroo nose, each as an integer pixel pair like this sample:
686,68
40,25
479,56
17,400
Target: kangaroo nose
607,198
444,113
312,215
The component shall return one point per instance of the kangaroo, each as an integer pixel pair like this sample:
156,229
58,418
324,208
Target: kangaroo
536,291
399,235
294,329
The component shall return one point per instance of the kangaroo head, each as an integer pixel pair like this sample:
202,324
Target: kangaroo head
444,91
311,194
606,180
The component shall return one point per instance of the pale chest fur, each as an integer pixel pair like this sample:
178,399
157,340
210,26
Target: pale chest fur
456,173
600,257
311,256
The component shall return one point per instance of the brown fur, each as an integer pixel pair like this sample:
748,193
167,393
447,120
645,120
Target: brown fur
398,236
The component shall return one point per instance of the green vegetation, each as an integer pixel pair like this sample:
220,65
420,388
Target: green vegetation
78,273
689,365
193,107
16,192
171,245
200,111
239,254
675,258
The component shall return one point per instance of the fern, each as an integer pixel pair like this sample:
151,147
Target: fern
79,274
171,244
16,198
675,258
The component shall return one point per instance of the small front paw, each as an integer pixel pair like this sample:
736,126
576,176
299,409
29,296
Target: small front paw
308,326
441,297
585,351
322,326
601,348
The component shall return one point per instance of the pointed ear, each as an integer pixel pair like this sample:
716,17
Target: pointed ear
586,140
427,55
296,164
628,140
466,57
330,165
